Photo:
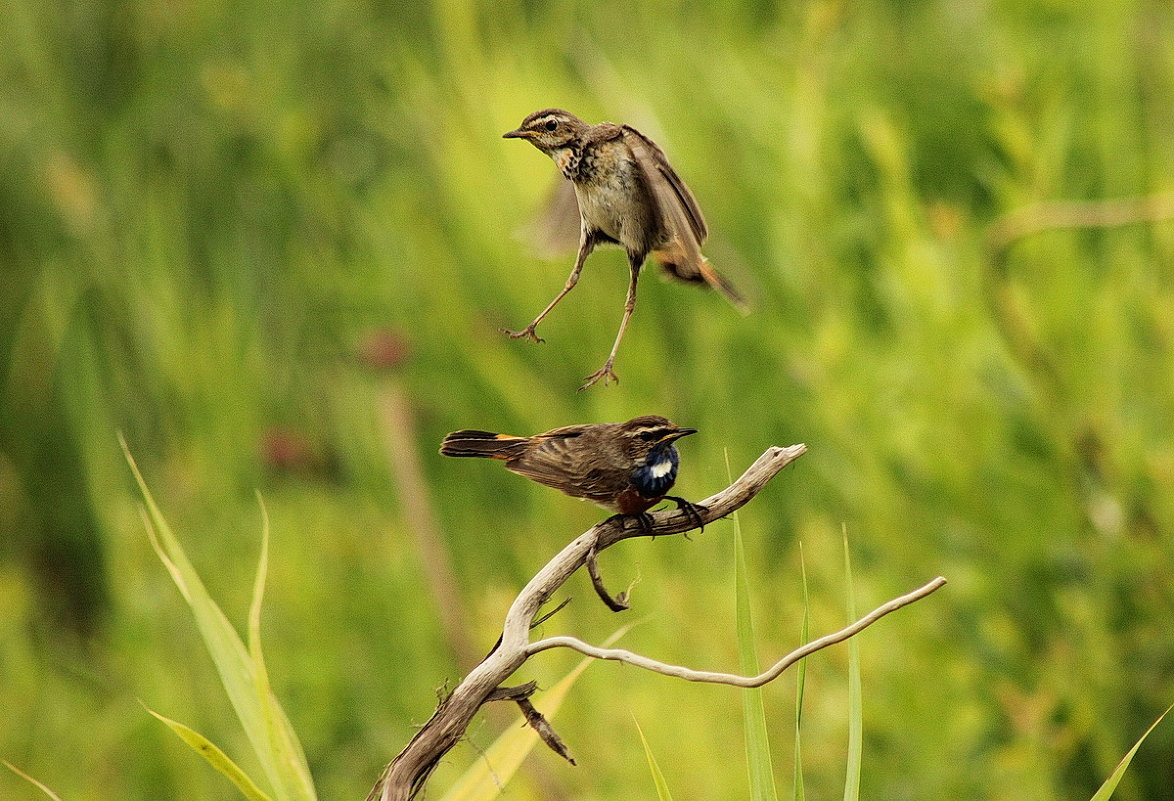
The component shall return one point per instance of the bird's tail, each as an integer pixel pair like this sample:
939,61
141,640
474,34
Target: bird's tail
485,444
674,262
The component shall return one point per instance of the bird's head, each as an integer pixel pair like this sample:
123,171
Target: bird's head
649,441
549,130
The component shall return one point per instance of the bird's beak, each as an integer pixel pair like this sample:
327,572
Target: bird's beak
517,133
680,432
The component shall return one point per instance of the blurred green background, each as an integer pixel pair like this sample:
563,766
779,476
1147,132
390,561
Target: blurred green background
273,245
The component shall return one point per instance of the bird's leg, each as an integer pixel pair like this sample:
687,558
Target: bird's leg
586,245
606,372
691,510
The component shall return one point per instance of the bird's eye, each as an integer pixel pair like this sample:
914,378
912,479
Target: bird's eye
551,125
650,436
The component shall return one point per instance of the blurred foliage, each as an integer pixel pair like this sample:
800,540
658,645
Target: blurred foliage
233,231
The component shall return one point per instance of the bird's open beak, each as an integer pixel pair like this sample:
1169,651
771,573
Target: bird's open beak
517,133
680,432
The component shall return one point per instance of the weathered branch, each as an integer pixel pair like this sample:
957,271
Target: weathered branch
616,604
734,680
541,725
408,772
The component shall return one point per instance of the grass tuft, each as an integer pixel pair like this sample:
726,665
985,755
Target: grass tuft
242,672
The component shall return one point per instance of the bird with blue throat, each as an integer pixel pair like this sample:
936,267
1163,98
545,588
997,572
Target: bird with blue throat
626,468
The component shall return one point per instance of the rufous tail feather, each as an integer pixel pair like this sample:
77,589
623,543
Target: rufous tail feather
701,272
484,444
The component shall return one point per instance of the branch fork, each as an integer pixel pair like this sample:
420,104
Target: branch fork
405,777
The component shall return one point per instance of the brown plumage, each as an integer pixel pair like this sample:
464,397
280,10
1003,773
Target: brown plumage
624,467
627,194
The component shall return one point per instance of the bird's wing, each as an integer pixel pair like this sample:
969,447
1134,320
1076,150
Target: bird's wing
678,207
557,229
681,255
555,461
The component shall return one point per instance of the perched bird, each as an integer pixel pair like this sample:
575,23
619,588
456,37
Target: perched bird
624,467
628,195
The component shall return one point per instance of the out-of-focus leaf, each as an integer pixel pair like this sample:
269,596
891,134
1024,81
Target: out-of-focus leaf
1114,779
662,787
485,778
40,786
241,673
215,757
758,757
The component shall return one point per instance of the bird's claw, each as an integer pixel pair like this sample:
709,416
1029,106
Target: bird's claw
691,510
525,333
605,373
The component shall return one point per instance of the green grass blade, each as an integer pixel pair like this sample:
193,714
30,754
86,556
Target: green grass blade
237,668
284,745
1114,779
42,787
758,757
798,791
215,757
662,787
486,777
855,701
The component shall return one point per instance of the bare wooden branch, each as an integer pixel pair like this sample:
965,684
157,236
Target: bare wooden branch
407,773
734,680
513,693
536,721
616,604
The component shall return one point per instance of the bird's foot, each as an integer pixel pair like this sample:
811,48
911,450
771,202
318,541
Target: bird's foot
605,373
525,333
693,511
641,520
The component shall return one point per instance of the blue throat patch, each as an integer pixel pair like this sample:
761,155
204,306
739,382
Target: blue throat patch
654,478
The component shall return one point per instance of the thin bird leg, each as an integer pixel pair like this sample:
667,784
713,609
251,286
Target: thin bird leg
586,245
605,372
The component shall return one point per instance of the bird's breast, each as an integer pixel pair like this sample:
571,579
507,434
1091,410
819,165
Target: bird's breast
567,162
612,195
616,208
631,502
656,476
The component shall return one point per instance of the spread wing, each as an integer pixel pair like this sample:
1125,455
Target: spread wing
558,462
557,229
678,207
680,255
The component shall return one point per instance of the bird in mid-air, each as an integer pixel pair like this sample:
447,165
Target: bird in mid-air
629,195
